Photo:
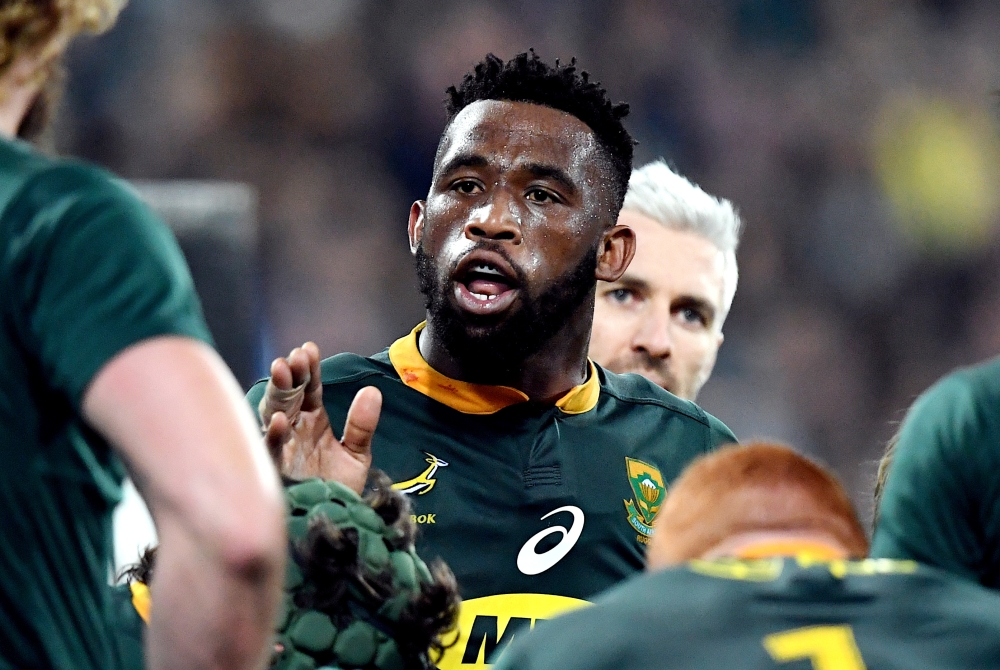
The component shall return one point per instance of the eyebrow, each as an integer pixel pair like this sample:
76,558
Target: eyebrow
627,281
556,174
464,160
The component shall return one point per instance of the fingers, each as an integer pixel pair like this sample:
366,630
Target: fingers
300,363
277,433
362,419
285,389
313,378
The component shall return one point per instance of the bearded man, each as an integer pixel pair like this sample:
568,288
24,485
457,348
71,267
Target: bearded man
534,473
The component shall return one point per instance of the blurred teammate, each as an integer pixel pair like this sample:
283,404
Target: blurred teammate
534,474
771,580
104,354
940,480
663,318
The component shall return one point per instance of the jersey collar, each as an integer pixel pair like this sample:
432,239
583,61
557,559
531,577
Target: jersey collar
141,600
468,398
808,549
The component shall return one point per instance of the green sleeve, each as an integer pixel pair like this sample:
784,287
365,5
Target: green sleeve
941,503
719,433
97,272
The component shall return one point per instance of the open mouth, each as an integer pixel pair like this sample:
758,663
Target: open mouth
485,286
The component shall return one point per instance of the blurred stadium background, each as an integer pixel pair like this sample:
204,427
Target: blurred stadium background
859,139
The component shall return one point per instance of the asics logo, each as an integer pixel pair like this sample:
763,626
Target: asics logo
530,562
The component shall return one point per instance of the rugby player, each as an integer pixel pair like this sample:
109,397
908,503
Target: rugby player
940,480
535,474
663,318
755,565
105,355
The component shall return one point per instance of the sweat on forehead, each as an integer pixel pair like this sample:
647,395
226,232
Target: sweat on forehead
526,126
502,136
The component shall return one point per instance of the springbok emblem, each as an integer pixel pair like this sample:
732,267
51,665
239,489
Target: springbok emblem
425,481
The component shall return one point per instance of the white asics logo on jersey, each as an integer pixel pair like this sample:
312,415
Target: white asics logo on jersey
532,563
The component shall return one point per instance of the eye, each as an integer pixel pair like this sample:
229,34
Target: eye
622,296
467,187
540,195
689,315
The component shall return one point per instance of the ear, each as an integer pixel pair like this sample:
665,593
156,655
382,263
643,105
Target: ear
415,228
616,253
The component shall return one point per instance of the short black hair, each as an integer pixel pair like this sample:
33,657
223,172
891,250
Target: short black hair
525,78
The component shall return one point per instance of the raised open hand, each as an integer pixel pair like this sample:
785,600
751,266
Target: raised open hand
297,428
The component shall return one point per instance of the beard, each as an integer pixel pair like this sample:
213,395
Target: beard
489,351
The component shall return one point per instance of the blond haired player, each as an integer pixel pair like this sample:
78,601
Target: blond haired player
105,355
663,318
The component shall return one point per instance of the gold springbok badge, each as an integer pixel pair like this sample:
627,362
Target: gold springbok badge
647,485
425,481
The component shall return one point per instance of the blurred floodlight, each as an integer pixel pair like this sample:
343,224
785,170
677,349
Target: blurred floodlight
939,164
308,19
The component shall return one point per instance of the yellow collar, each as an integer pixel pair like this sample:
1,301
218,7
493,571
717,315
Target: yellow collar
477,398
807,549
141,600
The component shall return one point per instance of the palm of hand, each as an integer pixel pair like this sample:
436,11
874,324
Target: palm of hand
312,450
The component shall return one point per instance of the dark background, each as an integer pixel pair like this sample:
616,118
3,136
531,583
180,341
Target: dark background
857,137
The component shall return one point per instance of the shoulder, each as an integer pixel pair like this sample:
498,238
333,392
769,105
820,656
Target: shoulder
961,412
964,390
678,600
348,368
41,197
636,390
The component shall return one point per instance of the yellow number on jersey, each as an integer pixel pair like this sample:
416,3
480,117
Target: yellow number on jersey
827,647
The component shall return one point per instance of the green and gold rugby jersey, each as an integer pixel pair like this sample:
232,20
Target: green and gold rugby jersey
535,508
941,502
85,271
775,614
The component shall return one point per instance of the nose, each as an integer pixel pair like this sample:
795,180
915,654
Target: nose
654,336
498,223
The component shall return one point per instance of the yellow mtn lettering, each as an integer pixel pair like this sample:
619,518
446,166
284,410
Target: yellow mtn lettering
425,481
487,625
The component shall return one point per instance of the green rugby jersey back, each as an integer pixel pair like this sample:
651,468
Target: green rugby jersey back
85,271
535,508
774,614
941,503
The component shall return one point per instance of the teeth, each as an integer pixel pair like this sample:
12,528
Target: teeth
483,296
487,270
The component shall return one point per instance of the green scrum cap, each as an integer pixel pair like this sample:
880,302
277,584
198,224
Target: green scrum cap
350,581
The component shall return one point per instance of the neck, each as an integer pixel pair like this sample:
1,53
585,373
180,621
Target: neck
20,86
14,108
544,376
